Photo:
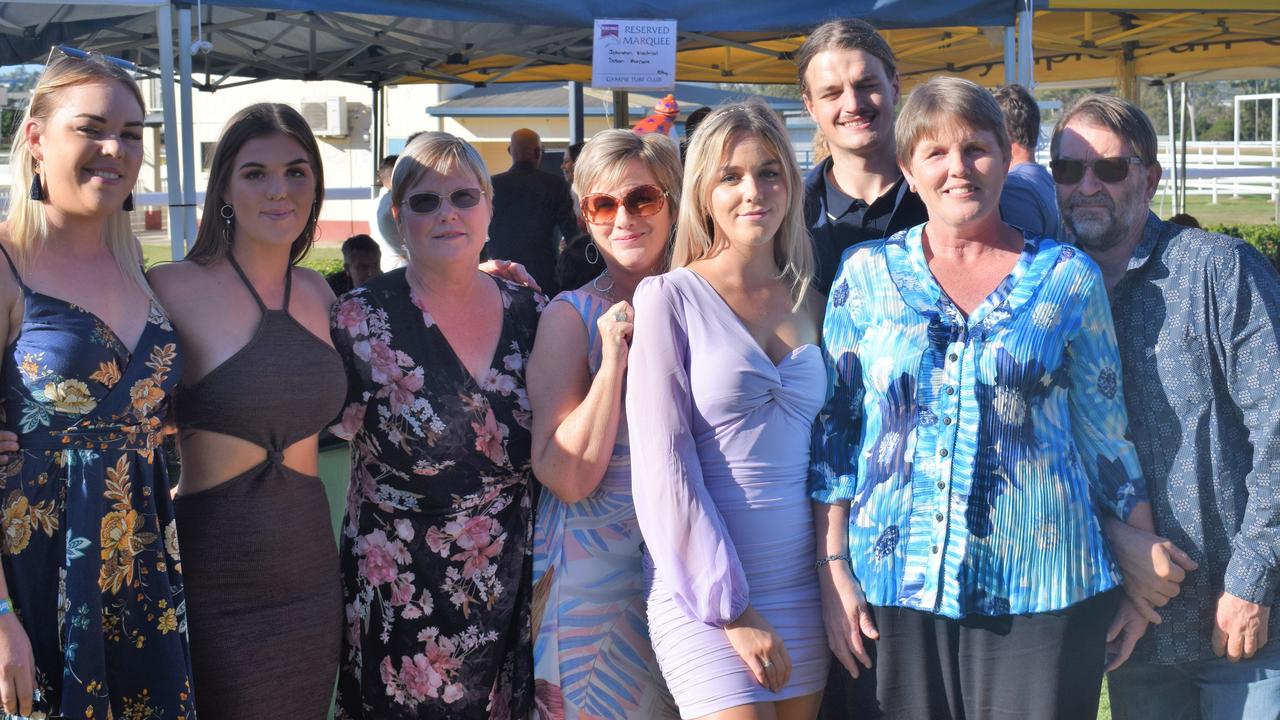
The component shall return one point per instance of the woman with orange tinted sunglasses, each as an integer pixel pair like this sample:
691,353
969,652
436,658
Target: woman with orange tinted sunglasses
589,607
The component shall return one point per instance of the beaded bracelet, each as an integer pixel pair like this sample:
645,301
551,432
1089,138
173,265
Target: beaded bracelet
830,559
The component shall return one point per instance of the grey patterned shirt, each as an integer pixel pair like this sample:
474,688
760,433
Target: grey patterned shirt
1198,319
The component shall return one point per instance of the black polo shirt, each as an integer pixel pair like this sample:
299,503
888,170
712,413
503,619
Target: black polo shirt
838,222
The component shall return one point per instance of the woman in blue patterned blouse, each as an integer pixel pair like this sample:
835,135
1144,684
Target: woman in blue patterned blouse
975,433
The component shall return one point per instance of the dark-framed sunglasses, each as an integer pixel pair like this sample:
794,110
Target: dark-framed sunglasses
425,203
78,54
642,201
1067,171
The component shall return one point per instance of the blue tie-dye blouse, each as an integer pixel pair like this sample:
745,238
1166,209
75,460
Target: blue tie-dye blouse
976,452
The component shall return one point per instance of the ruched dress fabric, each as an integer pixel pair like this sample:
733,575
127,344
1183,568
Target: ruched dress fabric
259,549
719,459
591,652
90,545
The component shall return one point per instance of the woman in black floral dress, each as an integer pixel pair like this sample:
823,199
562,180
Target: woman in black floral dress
436,542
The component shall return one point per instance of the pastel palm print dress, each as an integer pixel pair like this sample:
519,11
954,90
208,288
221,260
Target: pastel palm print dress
90,545
591,650
436,544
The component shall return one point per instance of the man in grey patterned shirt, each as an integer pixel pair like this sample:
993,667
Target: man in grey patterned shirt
1197,316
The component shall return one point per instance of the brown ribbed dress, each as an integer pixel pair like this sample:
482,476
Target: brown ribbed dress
264,598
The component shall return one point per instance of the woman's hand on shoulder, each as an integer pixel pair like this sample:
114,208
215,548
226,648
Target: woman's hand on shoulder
761,648
17,667
511,271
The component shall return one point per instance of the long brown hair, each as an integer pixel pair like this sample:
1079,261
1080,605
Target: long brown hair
214,238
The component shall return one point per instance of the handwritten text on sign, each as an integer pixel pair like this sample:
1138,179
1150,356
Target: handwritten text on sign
634,54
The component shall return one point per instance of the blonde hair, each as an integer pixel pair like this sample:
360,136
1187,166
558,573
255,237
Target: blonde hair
695,229
604,160
26,221
438,151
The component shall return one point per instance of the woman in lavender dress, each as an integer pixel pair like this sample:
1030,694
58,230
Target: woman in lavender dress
725,380
591,650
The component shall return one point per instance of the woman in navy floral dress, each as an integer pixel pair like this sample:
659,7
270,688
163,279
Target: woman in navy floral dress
436,549
90,547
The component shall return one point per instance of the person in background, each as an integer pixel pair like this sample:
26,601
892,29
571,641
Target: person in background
1030,199
1185,220
570,159
532,212
691,124
571,154
361,259
1198,319
974,434
382,226
92,600
724,379
261,381
592,656
436,539
849,84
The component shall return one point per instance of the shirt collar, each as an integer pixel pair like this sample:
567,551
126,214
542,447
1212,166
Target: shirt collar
839,204
1147,247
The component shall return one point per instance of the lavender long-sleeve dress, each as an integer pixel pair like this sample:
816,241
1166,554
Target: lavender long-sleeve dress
720,442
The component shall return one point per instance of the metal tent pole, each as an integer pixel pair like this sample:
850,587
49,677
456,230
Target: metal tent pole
188,142
1026,52
577,127
1010,56
621,109
164,33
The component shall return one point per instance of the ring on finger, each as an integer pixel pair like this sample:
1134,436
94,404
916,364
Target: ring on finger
766,664
620,316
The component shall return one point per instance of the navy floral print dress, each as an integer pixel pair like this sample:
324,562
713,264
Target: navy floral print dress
436,543
90,548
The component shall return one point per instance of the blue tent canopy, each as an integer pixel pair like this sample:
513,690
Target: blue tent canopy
379,42
715,16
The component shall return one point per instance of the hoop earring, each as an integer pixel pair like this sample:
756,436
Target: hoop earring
128,203
37,190
591,248
227,212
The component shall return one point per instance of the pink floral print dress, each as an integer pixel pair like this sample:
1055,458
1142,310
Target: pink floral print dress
436,543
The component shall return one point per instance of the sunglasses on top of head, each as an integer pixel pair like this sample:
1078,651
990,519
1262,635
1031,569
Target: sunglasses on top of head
642,201
78,54
1067,171
425,203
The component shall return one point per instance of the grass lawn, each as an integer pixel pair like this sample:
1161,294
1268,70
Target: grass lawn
156,252
1244,210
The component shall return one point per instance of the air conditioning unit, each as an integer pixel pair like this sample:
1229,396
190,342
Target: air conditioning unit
326,118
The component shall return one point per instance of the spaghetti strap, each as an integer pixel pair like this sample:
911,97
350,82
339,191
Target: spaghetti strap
288,286
288,277
13,268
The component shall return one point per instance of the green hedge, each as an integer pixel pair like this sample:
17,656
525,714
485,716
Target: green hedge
1264,237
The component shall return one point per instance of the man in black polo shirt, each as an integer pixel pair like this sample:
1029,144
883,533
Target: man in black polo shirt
849,83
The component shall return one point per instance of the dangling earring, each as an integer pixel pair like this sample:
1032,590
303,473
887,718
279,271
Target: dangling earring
37,190
128,203
588,250
227,212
